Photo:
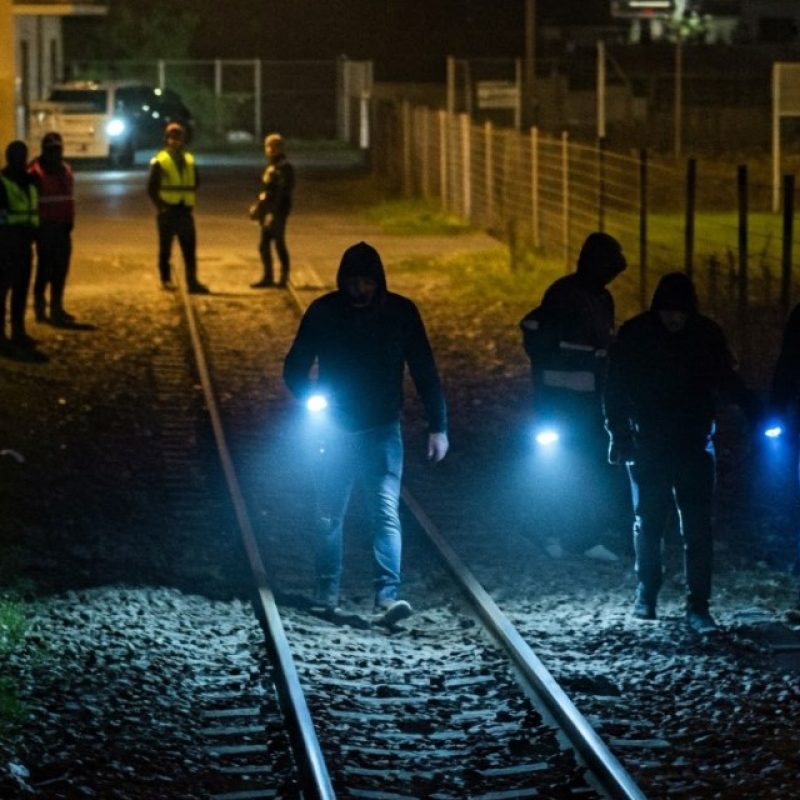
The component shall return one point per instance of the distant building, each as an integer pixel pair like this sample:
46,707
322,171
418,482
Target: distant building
38,48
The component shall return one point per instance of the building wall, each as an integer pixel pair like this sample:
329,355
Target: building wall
38,58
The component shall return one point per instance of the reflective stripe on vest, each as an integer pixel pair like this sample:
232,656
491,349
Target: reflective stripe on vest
177,186
578,381
56,202
23,207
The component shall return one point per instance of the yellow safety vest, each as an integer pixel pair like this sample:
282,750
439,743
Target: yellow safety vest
177,186
23,207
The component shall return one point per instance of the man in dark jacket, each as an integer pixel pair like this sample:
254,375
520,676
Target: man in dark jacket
19,222
56,220
362,336
567,339
272,211
666,371
785,403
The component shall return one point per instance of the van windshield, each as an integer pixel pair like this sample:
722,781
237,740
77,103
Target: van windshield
89,99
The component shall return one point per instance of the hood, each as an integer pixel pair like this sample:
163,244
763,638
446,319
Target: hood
361,260
601,259
675,292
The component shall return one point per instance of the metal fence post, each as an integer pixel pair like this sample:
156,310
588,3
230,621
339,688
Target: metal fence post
691,191
425,132
405,110
258,129
443,178
788,233
601,183
466,165
741,191
643,229
535,185
488,150
565,197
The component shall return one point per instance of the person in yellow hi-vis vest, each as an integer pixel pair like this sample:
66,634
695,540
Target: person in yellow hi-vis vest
19,220
173,189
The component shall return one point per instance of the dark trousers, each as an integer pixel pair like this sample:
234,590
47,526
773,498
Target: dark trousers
53,253
16,261
177,221
274,233
682,479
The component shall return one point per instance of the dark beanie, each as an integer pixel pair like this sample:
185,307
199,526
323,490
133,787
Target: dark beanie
675,292
361,260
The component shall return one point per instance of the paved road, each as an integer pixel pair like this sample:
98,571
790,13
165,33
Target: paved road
116,224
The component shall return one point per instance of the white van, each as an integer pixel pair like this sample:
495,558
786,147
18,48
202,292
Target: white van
107,120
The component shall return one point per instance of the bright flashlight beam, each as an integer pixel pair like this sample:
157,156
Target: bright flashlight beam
546,437
317,403
773,432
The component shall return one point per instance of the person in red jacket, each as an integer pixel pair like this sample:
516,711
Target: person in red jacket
56,219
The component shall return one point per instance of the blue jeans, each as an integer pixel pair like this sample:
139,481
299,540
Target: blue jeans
373,457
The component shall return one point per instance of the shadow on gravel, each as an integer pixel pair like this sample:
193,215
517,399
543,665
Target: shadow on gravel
337,617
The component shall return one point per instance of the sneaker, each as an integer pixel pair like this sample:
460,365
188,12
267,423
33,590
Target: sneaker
793,615
643,610
168,286
262,284
701,622
391,613
323,608
199,288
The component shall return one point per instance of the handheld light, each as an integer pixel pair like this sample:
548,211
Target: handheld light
546,437
773,431
317,403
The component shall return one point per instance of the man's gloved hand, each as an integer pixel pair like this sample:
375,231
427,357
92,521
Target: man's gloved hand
437,446
621,450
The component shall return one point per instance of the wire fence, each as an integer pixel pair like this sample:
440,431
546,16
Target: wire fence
544,194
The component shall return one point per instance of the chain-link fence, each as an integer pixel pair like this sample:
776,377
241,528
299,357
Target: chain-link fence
302,99
544,194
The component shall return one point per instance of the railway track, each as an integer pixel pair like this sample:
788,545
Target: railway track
455,705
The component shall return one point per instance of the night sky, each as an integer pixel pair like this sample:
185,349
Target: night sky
407,39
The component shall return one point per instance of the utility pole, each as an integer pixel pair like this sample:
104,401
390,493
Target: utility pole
7,74
529,107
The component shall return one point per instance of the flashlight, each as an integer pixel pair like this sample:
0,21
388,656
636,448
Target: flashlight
773,431
546,437
317,403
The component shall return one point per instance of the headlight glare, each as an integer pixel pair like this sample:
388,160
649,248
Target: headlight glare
115,127
317,403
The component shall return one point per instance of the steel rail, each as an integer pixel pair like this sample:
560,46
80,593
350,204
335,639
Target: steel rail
312,769
599,760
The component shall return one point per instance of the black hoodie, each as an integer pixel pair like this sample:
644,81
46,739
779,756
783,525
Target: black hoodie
362,352
663,387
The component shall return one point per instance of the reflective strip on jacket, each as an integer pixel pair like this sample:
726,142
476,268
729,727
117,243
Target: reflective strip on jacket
177,186
23,206
56,201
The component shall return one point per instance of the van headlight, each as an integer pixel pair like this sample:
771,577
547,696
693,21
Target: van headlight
115,127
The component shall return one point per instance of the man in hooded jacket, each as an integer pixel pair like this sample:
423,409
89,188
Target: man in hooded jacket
567,338
362,336
666,371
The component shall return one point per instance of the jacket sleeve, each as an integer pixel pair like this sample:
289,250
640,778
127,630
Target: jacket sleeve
302,355
422,367
618,405
785,390
154,184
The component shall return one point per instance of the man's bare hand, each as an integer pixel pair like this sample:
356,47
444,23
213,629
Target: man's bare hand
437,447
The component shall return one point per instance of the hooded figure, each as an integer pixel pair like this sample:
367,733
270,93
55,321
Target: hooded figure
566,339
362,336
667,370
57,218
